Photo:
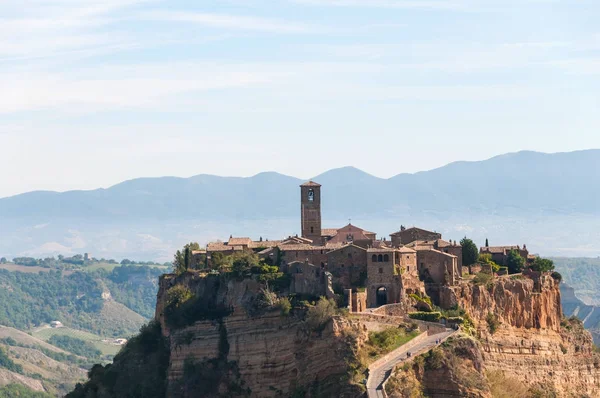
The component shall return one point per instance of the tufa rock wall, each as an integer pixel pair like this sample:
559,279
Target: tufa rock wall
531,340
254,353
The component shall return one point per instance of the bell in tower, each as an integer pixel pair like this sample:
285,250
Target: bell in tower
310,203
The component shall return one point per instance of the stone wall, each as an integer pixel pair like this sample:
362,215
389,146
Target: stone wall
381,276
435,267
348,266
310,280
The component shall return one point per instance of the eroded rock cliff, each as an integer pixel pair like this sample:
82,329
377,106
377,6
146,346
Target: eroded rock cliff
522,331
245,351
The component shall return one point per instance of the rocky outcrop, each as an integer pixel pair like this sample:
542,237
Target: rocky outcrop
252,352
522,332
455,369
520,303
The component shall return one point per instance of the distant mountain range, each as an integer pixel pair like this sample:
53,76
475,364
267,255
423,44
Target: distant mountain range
523,182
524,186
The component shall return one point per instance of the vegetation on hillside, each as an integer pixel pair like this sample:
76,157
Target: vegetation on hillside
139,370
31,299
75,298
76,346
20,391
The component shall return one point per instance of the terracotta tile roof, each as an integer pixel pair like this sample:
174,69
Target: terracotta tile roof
499,249
310,184
264,243
379,243
382,249
239,241
429,249
329,231
404,249
343,247
413,228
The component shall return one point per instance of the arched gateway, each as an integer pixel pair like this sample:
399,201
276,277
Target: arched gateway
381,296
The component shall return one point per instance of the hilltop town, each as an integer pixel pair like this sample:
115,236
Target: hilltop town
368,270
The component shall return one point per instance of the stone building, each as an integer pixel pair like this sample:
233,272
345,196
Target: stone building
408,235
310,280
384,285
348,265
440,245
435,266
500,253
351,234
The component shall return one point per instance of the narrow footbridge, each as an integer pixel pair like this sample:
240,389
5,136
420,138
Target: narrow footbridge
381,370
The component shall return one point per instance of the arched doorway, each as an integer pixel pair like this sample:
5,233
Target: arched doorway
381,296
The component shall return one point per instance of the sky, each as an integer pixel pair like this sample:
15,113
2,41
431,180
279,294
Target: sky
94,92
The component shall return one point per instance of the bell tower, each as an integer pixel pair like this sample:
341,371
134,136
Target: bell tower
310,203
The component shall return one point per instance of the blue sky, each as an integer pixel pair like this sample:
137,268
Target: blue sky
94,92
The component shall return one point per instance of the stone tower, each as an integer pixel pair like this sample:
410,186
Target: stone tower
310,202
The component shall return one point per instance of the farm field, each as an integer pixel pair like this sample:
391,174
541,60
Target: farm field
44,333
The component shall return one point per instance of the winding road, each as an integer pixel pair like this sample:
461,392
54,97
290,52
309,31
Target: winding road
380,373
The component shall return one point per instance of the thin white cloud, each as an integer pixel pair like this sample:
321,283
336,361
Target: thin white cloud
226,21
441,4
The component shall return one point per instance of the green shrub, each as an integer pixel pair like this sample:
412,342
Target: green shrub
483,278
320,314
493,322
425,316
285,306
557,276
425,299
434,359
18,390
456,319
8,364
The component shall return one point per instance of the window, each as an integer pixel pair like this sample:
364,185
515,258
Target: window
311,195
381,270
342,265
380,258
374,258
350,256
386,258
312,230
408,268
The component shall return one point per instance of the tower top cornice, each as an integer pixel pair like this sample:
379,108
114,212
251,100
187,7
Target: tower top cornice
310,184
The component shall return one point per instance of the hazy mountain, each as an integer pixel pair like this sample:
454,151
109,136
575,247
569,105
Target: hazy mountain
519,182
526,189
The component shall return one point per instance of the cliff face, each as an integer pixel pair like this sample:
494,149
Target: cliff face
249,352
519,324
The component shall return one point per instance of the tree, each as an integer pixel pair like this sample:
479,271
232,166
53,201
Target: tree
3,260
470,253
487,244
542,265
183,258
514,262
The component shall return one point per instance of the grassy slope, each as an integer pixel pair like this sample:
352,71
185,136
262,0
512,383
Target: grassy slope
58,377
45,333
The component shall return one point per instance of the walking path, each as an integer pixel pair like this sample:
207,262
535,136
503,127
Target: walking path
381,371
